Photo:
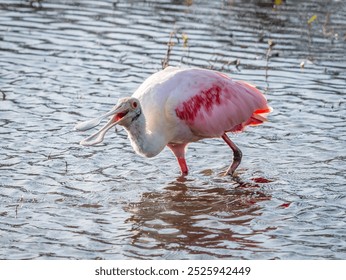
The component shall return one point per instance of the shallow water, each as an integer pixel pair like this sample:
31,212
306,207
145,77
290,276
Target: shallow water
62,63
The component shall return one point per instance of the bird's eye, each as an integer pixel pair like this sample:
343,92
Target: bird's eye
134,104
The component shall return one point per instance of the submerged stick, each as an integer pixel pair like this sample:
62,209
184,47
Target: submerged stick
3,95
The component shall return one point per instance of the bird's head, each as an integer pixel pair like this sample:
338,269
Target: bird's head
127,110
124,113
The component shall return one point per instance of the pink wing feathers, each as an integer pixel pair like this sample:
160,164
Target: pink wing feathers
215,104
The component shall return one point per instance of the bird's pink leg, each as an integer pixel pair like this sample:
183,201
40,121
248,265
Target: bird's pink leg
183,166
237,155
179,152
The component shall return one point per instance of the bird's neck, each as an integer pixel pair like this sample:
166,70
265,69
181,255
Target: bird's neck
144,141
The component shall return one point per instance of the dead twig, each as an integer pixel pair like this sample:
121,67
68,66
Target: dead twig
271,44
327,31
19,205
170,44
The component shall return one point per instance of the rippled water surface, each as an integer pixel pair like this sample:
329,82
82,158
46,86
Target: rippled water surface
62,62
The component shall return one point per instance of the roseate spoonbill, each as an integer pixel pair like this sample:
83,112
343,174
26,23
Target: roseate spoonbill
176,106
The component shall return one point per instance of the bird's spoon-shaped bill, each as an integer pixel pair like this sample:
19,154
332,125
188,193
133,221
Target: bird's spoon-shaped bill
98,136
86,125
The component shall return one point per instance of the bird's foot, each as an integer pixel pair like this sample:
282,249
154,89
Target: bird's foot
234,176
232,171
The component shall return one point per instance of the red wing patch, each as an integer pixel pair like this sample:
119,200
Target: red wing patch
205,100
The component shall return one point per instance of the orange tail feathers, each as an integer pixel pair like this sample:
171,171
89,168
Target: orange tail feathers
258,117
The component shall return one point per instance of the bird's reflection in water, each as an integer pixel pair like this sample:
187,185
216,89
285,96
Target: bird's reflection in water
213,221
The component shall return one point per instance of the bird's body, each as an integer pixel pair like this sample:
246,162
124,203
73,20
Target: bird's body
176,106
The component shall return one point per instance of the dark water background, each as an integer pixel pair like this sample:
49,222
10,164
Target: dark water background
62,62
